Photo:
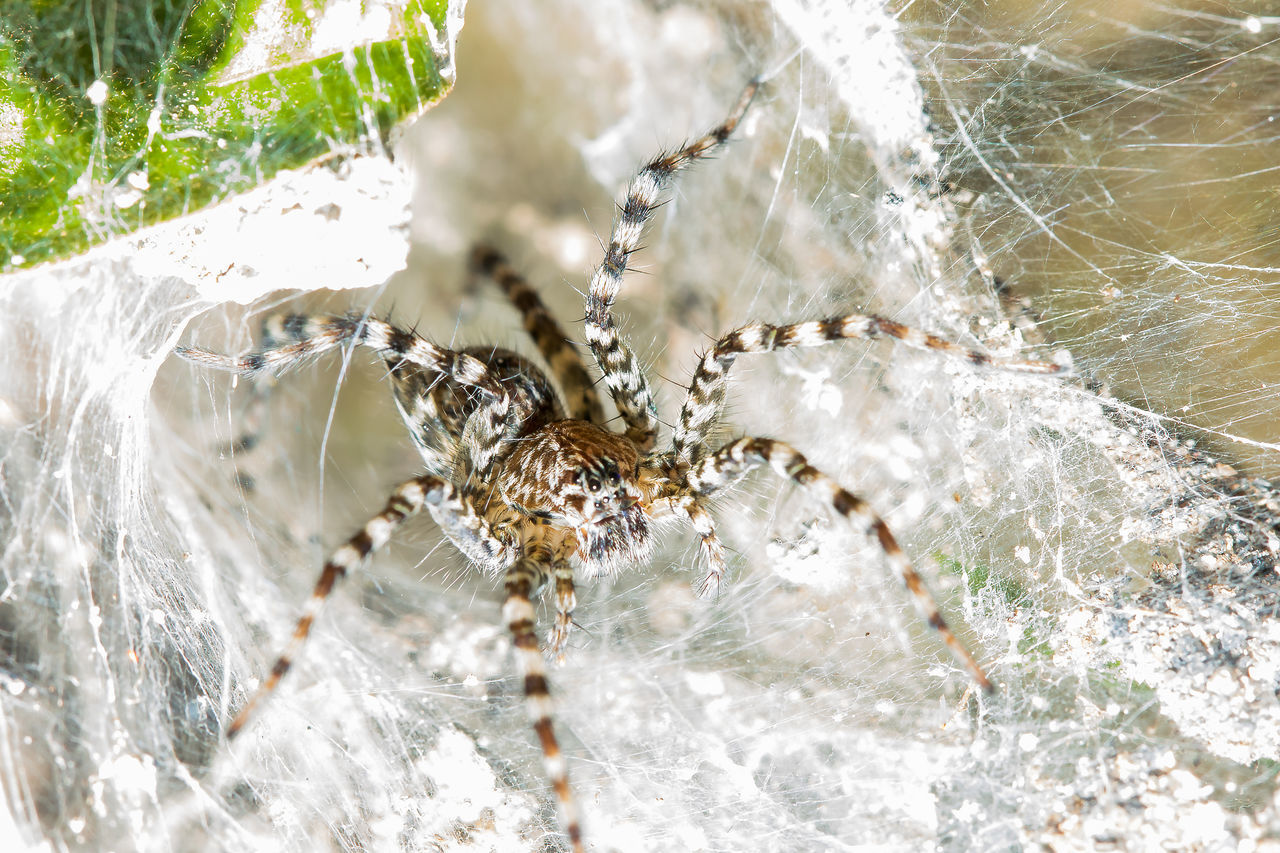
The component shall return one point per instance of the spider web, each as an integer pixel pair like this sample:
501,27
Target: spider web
1093,184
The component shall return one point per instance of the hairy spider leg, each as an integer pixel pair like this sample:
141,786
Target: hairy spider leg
565,600
276,329
735,460
523,579
621,372
313,335
407,499
705,399
711,547
562,356
455,515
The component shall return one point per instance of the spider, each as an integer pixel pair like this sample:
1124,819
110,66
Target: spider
533,487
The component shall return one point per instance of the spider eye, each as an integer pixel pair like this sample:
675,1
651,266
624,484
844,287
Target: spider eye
614,478
592,482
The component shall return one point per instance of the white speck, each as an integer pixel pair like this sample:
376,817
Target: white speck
1222,684
138,180
705,683
127,199
1252,24
1028,742
130,773
96,93
818,392
17,260
1023,553
12,125
1029,50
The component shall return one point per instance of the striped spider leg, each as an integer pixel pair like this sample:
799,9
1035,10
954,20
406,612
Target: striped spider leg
621,372
704,403
463,409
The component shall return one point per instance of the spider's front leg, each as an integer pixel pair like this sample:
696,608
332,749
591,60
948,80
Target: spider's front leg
565,600
457,517
731,463
712,548
302,337
702,405
622,374
523,580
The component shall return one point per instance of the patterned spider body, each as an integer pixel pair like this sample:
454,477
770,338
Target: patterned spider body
585,479
530,484
436,412
573,475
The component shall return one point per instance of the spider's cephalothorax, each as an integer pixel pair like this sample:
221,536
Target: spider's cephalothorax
530,484
579,476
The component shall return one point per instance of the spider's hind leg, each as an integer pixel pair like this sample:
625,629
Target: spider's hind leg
522,581
562,357
731,463
408,498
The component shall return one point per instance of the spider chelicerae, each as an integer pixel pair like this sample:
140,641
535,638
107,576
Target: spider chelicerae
533,487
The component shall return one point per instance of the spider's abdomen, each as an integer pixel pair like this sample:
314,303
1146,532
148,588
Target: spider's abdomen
436,409
586,479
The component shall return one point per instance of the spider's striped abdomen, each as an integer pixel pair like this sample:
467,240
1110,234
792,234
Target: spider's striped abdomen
436,409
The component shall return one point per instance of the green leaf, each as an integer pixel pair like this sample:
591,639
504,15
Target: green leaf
116,114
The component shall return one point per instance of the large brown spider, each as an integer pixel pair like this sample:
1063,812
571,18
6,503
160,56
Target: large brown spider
532,486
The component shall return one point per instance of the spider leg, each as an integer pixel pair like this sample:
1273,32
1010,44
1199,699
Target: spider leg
566,599
307,336
705,399
413,391
622,374
523,578
470,531
407,499
711,547
253,418
563,359
732,462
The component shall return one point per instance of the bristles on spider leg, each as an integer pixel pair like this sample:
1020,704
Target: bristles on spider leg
710,547
626,382
522,579
705,398
405,501
728,464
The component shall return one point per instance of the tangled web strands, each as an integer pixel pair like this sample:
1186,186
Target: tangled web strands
1119,581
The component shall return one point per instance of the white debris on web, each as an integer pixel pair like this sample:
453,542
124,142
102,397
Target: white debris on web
1105,544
